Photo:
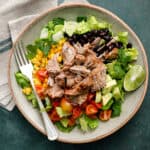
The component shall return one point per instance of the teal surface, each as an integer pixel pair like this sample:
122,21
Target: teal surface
17,134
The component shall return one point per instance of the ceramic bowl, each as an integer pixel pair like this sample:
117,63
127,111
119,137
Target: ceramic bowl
132,101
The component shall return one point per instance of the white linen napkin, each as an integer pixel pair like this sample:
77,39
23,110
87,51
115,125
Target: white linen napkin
15,26
9,10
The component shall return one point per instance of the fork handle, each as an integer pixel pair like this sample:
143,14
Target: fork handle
49,127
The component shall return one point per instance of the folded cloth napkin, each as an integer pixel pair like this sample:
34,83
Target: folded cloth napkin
14,28
10,10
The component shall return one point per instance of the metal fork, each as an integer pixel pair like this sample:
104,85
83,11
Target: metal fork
26,68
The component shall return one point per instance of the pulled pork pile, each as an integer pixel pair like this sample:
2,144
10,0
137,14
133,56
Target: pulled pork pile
81,72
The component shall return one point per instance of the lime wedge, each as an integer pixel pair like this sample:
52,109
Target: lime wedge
134,78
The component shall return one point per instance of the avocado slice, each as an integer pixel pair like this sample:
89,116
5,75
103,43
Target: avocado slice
106,98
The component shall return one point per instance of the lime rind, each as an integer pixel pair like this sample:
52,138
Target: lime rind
134,78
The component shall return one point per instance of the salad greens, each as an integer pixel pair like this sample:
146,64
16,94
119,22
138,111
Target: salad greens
109,98
86,123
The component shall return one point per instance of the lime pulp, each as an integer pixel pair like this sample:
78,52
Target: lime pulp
134,78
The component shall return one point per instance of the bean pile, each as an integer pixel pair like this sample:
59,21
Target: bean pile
104,34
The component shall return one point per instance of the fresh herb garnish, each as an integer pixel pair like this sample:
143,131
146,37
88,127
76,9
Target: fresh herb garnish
81,18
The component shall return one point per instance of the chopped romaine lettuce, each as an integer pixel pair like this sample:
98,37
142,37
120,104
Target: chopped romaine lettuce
92,123
127,55
122,37
92,22
115,70
57,36
83,123
62,128
58,28
64,122
44,33
82,27
70,27
104,25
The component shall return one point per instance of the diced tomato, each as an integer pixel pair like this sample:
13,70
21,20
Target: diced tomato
54,116
55,103
90,96
91,109
83,106
42,74
98,105
71,122
76,113
93,116
39,90
66,105
105,115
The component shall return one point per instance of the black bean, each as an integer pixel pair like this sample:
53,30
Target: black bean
111,46
75,37
96,48
66,35
119,44
102,49
129,45
107,37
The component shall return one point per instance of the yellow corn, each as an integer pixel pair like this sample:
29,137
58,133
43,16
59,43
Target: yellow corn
27,90
59,59
36,67
46,80
36,81
45,85
39,53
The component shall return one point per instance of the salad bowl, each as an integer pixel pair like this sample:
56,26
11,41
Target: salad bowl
132,101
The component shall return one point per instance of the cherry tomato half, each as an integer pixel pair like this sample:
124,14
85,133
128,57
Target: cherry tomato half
105,115
91,109
41,74
66,105
76,113
54,116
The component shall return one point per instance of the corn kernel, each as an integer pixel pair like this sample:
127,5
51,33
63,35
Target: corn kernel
40,53
36,81
45,85
36,67
46,80
59,59
27,90
38,57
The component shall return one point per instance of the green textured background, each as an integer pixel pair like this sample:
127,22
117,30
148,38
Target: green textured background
17,134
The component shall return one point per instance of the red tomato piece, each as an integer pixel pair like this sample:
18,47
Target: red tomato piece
90,96
71,122
42,74
105,115
77,112
66,105
98,105
55,103
54,116
91,109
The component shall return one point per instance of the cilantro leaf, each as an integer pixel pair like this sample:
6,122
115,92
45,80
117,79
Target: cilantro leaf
31,51
116,109
58,21
44,45
81,18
